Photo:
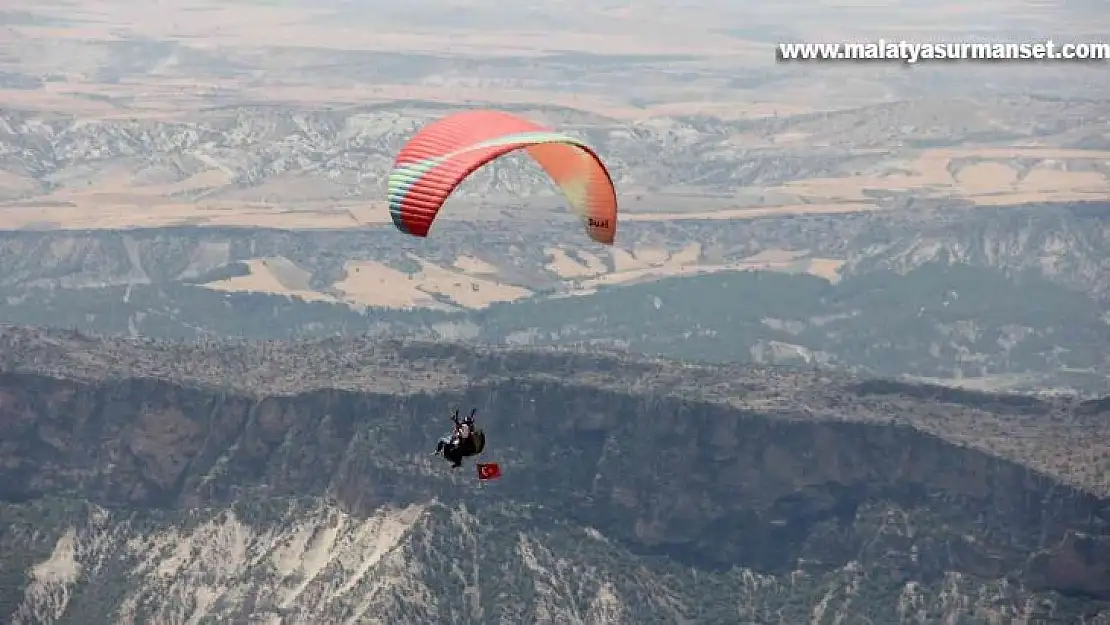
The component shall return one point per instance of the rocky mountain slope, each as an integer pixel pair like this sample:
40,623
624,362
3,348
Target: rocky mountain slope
954,322
861,198
347,152
291,483
1066,243
1014,296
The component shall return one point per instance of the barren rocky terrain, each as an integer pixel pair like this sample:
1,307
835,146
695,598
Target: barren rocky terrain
137,203
722,418
1011,297
291,482
115,115
288,118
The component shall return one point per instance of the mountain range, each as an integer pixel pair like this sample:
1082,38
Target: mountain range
167,482
845,364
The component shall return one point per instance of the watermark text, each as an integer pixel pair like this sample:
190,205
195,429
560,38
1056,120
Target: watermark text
911,52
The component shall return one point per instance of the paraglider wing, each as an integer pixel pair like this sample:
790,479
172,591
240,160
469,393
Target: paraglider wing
442,154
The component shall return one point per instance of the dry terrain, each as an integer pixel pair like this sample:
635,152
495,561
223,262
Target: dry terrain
470,283
150,82
274,482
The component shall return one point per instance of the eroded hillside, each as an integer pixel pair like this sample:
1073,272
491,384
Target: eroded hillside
991,298
230,165
1069,446
634,490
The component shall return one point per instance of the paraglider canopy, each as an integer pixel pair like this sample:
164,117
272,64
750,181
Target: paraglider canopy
442,154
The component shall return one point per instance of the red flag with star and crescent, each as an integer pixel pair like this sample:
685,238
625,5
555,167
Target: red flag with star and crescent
488,470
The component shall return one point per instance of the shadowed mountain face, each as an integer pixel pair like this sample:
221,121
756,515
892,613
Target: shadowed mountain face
618,504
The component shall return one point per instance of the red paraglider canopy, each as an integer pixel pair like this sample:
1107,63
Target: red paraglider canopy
442,154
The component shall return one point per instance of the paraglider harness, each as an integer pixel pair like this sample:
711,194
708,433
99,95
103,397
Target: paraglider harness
454,448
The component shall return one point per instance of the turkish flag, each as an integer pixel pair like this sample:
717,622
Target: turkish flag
488,470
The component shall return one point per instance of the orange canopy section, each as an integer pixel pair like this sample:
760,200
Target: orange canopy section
442,154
